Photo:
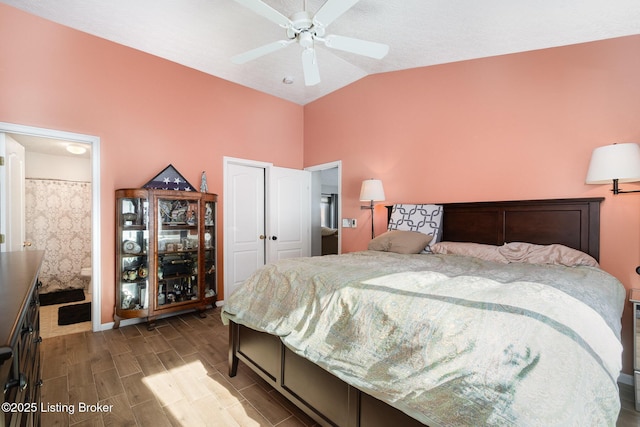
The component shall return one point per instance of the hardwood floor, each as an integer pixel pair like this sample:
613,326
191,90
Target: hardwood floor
175,375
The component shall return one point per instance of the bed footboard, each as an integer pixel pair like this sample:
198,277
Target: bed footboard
324,397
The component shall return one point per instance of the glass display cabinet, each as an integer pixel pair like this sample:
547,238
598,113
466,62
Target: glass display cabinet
132,253
165,253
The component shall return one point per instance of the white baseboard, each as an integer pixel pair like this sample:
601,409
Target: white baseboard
135,321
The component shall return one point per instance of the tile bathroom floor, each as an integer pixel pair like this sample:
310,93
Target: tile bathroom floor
49,320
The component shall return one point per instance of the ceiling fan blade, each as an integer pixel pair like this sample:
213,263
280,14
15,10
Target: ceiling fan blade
267,11
260,51
331,10
357,46
310,67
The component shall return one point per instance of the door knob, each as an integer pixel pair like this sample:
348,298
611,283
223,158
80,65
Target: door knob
262,237
26,244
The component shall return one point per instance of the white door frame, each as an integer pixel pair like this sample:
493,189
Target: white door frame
96,282
331,165
12,222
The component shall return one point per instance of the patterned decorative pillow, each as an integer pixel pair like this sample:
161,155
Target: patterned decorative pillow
425,218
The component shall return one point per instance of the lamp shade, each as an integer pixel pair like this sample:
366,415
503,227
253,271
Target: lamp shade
616,161
371,190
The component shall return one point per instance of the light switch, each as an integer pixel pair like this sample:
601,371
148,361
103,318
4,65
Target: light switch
349,223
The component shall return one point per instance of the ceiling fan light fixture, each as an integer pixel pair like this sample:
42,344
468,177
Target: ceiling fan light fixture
76,149
305,39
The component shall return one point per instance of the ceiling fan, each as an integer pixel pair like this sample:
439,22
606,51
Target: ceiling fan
307,30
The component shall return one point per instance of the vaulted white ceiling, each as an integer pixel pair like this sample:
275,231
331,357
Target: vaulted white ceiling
206,34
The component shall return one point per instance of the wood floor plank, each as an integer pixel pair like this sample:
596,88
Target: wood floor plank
136,389
121,414
170,359
150,364
101,361
80,374
188,382
182,346
55,390
126,364
212,414
169,332
165,388
108,383
157,343
150,413
262,400
55,366
84,394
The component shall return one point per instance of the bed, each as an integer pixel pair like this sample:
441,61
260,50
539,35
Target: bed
379,338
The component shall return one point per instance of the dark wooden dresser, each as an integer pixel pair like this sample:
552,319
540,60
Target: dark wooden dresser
20,338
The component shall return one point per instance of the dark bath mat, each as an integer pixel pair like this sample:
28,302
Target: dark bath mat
61,297
75,313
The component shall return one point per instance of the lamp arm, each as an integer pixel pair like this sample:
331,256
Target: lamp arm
616,189
370,207
372,235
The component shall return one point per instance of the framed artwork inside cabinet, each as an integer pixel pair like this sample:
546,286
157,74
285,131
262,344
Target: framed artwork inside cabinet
166,253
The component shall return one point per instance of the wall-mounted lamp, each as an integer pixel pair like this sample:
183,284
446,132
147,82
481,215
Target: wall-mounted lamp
371,191
617,163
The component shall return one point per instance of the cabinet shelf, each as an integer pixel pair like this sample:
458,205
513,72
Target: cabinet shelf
179,225
175,276
175,232
134,227
134,282
185,251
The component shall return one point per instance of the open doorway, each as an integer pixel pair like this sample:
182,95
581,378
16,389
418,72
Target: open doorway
326,208
62,218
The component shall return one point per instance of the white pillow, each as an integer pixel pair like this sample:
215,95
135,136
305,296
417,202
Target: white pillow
545,254
476,250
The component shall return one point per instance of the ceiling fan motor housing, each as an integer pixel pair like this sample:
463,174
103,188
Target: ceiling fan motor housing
303,28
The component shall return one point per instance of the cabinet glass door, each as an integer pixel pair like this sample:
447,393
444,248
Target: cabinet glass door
177,254
209,249
133,253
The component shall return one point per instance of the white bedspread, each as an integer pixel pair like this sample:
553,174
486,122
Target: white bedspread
450,340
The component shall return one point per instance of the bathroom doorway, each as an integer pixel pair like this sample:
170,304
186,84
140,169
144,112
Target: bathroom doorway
60,218
326,208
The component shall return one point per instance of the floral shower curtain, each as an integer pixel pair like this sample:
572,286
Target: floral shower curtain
58,221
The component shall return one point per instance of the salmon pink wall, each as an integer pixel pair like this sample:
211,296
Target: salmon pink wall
517,126
148,113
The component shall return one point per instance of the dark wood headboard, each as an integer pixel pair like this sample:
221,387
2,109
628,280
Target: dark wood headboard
571,222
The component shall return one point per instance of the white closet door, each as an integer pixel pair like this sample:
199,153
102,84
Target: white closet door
244,223
289,202
267,217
